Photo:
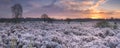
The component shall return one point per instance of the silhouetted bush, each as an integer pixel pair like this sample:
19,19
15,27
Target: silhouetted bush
46,18
68,20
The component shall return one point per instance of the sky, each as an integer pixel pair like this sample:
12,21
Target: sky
61,9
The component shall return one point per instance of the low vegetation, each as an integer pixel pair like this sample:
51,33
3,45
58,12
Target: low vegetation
103,24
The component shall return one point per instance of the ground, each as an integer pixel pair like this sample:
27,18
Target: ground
38,34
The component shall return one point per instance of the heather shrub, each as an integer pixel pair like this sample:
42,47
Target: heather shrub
115,26
102,24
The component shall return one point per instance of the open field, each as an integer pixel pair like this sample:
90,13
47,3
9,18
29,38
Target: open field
38,34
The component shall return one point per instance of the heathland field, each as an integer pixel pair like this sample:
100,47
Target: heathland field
38,34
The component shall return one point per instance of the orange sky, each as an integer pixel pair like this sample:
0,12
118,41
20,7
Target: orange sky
61,9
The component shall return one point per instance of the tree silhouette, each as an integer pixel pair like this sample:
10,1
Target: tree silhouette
46,18
17,11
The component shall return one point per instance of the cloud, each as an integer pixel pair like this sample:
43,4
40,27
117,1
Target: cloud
35,4
74,4
75,8
66,7
97,4
80,4
5,1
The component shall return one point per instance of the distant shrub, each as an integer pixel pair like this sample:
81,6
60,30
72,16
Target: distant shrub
46,18
15,20
50,20
102,24
68,20
115,25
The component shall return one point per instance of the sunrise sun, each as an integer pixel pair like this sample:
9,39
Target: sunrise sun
96,16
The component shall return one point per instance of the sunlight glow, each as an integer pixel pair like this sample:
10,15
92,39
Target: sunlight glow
97,16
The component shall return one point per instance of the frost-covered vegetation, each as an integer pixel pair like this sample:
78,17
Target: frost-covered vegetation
40,34
102,24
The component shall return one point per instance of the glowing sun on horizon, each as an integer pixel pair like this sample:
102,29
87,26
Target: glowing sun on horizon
96,16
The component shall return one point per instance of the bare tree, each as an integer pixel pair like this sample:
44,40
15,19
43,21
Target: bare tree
17,11
44,17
